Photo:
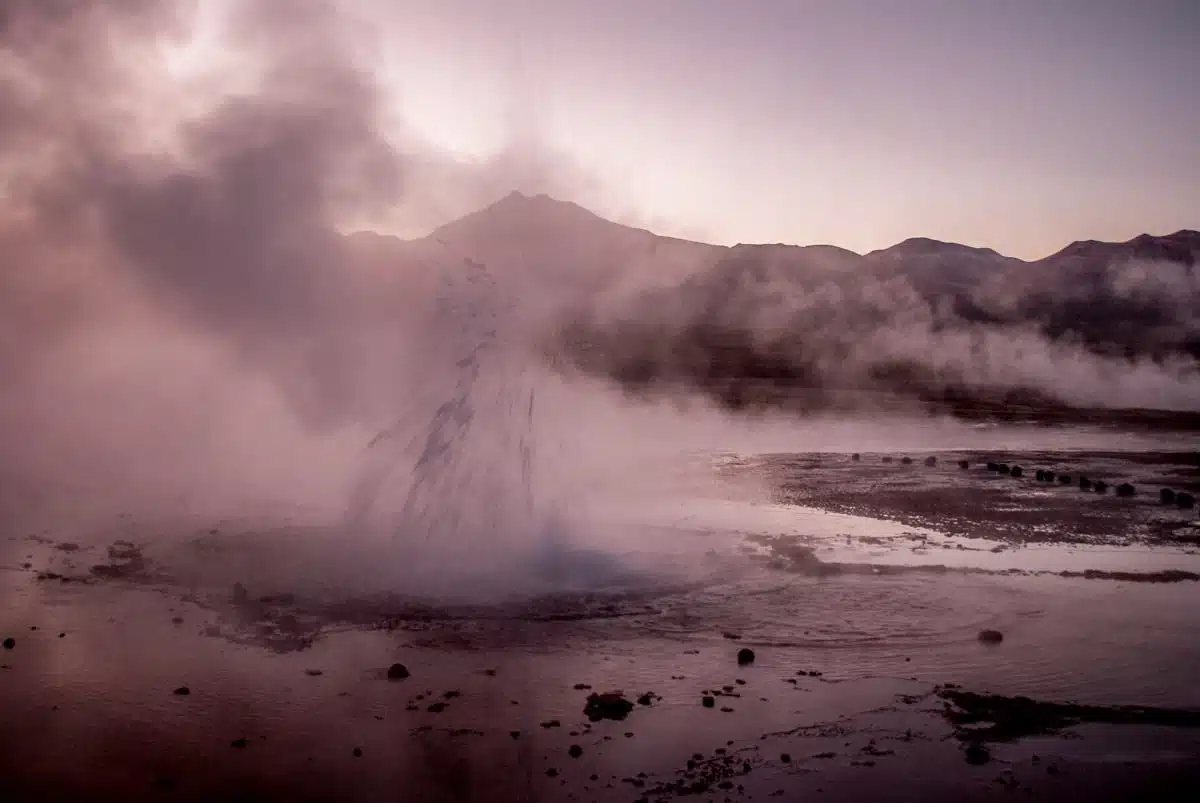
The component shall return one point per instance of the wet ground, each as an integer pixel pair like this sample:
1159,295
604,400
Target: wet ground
180,660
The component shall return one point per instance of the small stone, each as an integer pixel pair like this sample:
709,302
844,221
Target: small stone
9,643
552,773
397,672
240,743
313,673
931,461
515,735
581,687
176,620
1166,496
436,708
745,656
786,758
183,691
575,751
708,701
977,754
991,636
357,752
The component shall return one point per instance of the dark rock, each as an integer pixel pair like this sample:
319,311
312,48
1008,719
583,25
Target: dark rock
176,620
991,636
977,754
887,459
1166,496
313,673
745,656
356,752
964,464
906,461
609,705
1048,476
648,698
786,758
856,457
240,743
993,466
1003,468
575,751
1085,484
551,723
552,773
436,708
183,691
1064,479
1101,487
931,461
515,734
1017,471
708,701
581,687
9,643
1125,490
1185,501
397,672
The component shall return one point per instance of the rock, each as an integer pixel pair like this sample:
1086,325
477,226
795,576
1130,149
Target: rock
1048,476
609,705
993,466
436,708
977,754
240,744
1003,468
906,461
1126,490
1064,479
887,459
648,698
1185,501
581,687
176,620
397,672
575,751
1100,486
931,461
183,691
552,773
745,656
240,595
515,735
356,752
964,464
9,643
786,758
1017,471
1166,496
856,457
313,673
708,701
1085,484
991,636
551,723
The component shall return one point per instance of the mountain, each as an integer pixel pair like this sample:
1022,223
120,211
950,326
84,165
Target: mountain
765,324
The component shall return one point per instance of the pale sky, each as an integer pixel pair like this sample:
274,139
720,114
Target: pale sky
1020,125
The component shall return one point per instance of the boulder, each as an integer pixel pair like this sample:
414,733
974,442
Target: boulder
1166,496
856,457
1064,479
964,465
906,461
745,656
1126,490
931,461
1100,486
1017,471
1185,501
993,466
397,672
609,705
1085,484
1048,476
887,459
1004,469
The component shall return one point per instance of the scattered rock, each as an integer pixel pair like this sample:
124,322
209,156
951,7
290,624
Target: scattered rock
357,752
649,698
1064,479
515,735
991,636
436,708
931,461
1101,487
1126,490
397,672
1166,496
240,744
183,691
9,643
856,457
551,723
313,673
1048,476
62,635
964,464
1017,471
609,705
708,701
993,466
786,758
1003,468
176,620
745,656
977,754
906,461
552,773
575,751
581,686
887,459
1085,484
1185,501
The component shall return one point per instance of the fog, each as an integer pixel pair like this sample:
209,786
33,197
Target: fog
191,335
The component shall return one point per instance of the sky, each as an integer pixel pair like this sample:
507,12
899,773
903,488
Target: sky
1020,125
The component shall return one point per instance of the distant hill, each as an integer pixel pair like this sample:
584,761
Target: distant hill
941,323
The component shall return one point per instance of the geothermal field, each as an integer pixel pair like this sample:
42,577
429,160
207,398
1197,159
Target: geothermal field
338,466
